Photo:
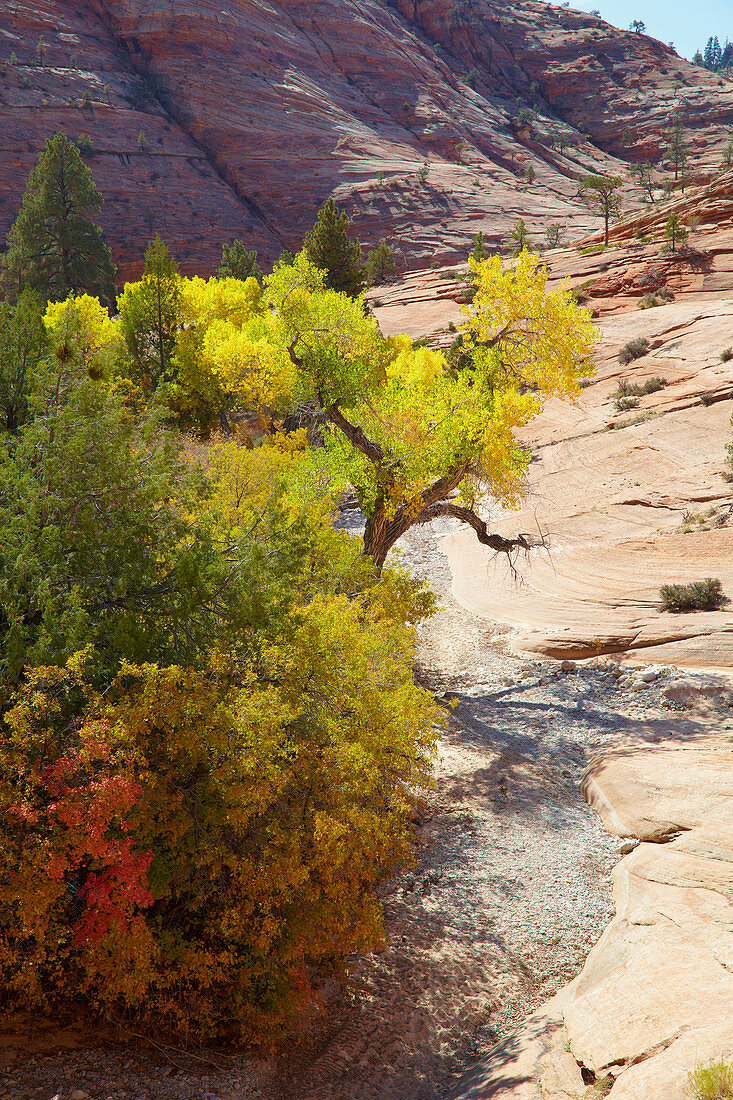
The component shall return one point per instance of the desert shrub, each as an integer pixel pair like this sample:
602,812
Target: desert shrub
634,349
627,394
726,355
600,1088
657,298
704,595
728,470
85,144
196,849
623,404
714,1082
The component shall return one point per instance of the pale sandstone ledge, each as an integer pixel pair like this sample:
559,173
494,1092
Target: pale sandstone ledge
655,997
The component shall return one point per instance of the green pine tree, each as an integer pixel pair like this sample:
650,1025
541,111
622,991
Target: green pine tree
330,248
150,316
479,251
53,246
381,263
238,262
23,342
521,238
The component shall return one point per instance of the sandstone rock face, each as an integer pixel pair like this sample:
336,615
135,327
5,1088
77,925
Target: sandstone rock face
619,87
629,502
655,997
86,85
253,113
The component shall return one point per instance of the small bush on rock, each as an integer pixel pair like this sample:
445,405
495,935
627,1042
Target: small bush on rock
601,1088
712,1082
623,404
704,595
726,355
658,298
635,349
628,393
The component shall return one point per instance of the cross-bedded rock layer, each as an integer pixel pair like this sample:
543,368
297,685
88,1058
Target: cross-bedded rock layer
209,122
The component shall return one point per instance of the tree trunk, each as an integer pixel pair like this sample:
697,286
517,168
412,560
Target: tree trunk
381,532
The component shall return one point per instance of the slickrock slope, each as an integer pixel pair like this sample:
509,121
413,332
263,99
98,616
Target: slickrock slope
629,501
87,85
655,997
253,113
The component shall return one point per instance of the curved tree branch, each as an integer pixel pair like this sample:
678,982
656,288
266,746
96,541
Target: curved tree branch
356,437
465,515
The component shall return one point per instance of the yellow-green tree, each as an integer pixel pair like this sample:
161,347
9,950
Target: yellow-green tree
415,438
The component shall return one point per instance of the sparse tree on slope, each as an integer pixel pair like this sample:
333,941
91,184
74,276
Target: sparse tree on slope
381,263
520,236
53,246
676,232
599,193
479,251
677,149
643,175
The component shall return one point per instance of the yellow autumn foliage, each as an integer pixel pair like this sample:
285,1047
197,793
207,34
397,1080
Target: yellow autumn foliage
81,328
203,847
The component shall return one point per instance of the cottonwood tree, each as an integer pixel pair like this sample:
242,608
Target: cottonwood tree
599,193
53,246
415,438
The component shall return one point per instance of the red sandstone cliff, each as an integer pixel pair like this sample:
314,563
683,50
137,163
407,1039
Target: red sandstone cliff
253,113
